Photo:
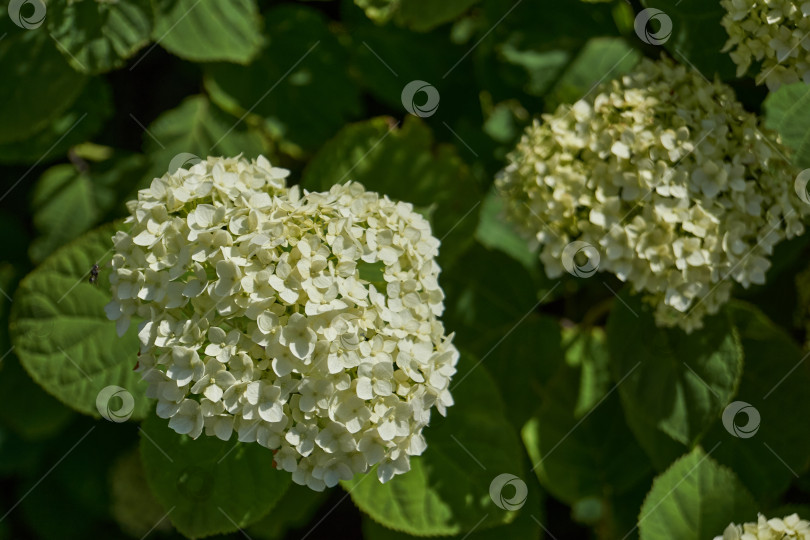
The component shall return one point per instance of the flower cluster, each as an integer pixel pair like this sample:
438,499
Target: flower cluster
774,33
787,528
305,322
667,179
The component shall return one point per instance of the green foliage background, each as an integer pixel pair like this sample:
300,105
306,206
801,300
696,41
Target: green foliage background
613,424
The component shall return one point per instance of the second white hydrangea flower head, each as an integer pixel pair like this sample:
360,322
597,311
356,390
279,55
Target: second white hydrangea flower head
774,33
305,322
668,177
788,528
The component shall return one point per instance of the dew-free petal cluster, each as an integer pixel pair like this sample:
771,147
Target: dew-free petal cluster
305,322
788,528
664,174
773,33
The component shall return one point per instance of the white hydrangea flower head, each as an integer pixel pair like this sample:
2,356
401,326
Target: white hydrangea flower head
308,323
668,178
773,33
788,528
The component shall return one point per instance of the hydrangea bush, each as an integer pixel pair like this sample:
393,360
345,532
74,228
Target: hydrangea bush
259,319
398,269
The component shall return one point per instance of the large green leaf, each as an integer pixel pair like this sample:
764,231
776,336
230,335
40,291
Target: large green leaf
29,411
386,58
299,83
67,200
132,503
600,59
403,164
447,490
694,499
64,206
198,127
211,486
526,46
44,84
209,30
490,307
496,232
292,512
73,126
787,110
79,486
99,36
775,380
527,525
61,332
670,381
697,36
577,458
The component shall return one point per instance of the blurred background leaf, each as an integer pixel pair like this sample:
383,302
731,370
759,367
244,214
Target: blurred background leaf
208,30
99,36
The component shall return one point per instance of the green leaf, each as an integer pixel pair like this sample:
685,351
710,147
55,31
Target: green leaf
44,84
386,58
403,164
209,30
588,351
373,273
447,489
20,457
575,458
423,15
61,333
787,111
601,59
542,68
495,232
79,486
8,282
29,411
292,512
70,199
490,307
212,486
621,511
528,49
694,499
64,207
132,504
526,525
775,380
198,127
670,381
99,36
419,15
697,36
76,124
298,84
